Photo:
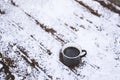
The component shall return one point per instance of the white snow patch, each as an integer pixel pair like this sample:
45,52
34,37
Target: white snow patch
1,66
29,70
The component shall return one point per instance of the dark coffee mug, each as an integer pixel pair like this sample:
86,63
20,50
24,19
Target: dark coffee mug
72,54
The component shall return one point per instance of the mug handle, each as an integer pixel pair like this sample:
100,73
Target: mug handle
84,52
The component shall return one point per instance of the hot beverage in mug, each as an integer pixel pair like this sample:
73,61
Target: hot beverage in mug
72,54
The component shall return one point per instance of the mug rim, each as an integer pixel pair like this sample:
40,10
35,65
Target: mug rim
71,45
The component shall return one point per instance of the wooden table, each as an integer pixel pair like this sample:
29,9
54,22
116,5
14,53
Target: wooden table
32,32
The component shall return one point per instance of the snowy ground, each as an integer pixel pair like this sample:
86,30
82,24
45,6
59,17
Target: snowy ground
32,32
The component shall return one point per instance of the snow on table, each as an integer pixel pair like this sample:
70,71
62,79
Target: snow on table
32,33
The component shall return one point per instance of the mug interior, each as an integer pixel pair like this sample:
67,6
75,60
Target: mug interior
71,52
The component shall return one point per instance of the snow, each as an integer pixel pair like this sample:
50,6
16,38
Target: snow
101,39
29,70
1,66
6,0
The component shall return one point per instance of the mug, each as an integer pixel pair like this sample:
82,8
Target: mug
71,54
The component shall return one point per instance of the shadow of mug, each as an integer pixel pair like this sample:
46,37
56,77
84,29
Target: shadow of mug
71,54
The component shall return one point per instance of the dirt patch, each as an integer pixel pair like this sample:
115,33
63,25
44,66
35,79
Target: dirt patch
0,55
49,30
78,16
82,26
89,21
9,75
7,62
118,25
2,12
89,8
65,24
23,50
13,3
116,2
73,28
109,6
